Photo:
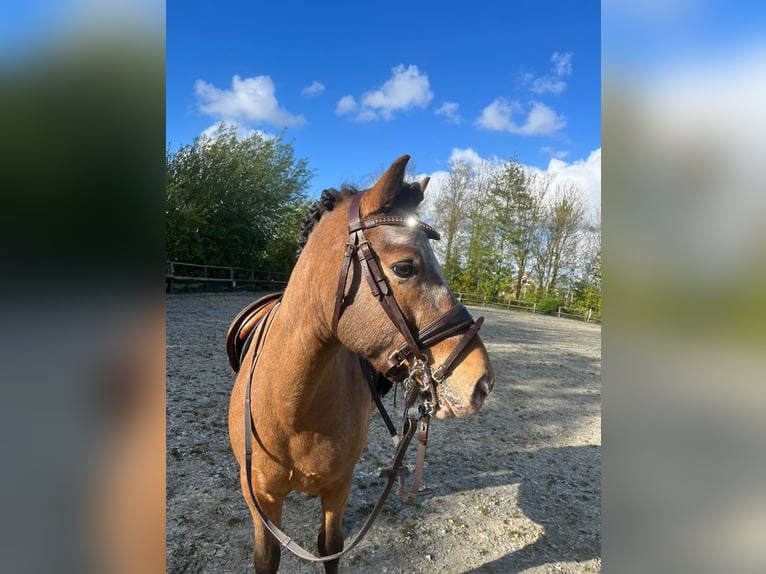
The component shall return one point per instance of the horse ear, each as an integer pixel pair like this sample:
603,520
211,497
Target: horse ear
381,196
411,195
424,183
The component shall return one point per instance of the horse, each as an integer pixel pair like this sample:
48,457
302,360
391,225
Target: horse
300,409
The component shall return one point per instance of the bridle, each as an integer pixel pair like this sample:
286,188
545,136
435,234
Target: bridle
418,380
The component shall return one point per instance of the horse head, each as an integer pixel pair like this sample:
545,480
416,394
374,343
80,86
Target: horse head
395,266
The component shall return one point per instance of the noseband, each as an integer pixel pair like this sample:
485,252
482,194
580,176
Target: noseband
418,379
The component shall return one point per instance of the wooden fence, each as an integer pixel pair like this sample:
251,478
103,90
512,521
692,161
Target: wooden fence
589,316
193,277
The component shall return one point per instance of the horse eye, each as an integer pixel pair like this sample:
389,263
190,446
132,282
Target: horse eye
404,269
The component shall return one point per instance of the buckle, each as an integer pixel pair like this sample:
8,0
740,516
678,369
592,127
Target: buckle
395,356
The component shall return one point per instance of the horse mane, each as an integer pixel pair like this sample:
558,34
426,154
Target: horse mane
326,202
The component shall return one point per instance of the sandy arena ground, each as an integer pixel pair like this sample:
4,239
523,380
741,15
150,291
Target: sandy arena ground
516,488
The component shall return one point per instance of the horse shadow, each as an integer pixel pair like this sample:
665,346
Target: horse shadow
559,489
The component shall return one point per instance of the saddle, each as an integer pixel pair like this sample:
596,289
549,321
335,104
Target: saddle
239,334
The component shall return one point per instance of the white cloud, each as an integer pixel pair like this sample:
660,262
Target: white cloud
562,63
547,84
449,111
541,120
345,105
405,89
467,155
552,82
314,89
584,173
497,115
558,154
250,100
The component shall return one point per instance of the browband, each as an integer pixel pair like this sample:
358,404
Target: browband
411,221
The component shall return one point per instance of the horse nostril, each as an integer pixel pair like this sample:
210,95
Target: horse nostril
482,390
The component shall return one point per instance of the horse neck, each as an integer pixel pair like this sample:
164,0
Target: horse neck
310,294
304,351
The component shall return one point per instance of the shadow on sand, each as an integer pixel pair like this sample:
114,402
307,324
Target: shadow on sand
559,489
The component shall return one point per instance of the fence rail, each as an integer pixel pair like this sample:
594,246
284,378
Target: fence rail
192,276
588,315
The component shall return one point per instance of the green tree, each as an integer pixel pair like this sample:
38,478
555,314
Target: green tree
481,257
235,202
588,276
459,211
516,199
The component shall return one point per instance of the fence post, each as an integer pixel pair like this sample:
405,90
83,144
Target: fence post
559,312
534,307
459,297
171,274
589,315
231,277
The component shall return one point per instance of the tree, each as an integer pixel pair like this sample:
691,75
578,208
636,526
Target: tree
460,213
557,240
480,254
235,202
449,215
516,198
503,222
587,284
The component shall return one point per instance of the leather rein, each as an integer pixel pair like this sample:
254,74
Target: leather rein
417,379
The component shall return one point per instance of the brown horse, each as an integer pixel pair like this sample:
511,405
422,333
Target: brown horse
309,404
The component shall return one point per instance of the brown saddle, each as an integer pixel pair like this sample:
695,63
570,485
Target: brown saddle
238,336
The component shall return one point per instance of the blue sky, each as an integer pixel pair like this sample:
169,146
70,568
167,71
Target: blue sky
356,84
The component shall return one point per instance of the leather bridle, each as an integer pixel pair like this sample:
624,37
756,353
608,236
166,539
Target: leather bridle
418,379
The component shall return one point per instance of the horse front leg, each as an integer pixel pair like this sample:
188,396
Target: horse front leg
267,550
330,538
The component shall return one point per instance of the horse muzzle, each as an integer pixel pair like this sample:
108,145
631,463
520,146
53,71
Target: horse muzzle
456,404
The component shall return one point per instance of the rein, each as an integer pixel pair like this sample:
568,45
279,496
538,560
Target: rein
396,470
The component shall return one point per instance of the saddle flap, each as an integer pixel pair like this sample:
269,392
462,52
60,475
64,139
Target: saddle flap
243,324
